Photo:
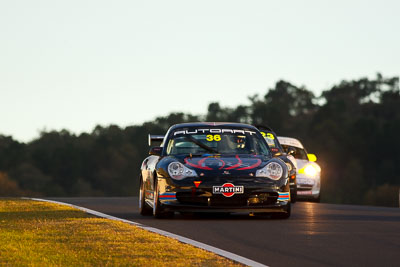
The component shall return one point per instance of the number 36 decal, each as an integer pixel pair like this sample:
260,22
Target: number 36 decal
215,137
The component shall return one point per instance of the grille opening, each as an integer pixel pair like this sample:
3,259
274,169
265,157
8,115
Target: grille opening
202,199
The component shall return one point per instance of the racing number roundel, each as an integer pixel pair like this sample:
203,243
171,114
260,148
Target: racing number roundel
228,194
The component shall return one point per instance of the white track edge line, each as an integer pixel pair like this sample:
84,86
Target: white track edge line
182,239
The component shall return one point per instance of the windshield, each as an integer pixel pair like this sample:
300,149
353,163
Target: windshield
299,153
271,140
200,141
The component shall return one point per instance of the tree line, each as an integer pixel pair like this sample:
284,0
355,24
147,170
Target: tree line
353,128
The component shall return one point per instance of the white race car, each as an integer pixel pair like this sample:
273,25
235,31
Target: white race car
308,171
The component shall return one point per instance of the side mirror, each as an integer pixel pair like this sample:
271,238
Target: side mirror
291,151
155,151
312,157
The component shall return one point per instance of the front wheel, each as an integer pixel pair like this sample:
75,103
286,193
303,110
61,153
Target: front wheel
144,208
318,199
293,196
158,211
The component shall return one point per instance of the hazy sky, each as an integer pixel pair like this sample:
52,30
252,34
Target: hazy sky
75,64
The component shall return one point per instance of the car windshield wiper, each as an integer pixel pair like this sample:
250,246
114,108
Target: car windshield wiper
200,144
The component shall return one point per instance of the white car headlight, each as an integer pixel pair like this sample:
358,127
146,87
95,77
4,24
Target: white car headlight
272,170
310,170
178,171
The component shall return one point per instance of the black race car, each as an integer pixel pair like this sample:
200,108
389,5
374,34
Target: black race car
213,167
278,151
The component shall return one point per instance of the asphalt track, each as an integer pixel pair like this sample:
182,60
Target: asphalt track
315,235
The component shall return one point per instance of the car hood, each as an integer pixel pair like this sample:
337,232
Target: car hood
234,165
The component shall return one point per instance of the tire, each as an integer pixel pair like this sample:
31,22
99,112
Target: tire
158,211
293,196
318,199
144,208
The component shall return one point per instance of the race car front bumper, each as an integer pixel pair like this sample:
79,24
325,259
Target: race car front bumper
308,188
203,198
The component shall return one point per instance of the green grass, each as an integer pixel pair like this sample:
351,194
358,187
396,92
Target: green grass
44,234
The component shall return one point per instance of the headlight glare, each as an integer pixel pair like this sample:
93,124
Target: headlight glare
272,170
178,171
310,170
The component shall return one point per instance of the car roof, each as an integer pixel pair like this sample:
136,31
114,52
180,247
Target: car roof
213,124
290,141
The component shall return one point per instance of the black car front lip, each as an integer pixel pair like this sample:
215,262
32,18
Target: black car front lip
194,208
254,199
259,195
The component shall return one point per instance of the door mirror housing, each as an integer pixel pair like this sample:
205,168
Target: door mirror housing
291,151
155,151
312,157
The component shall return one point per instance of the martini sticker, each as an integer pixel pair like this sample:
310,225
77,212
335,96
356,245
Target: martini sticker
228,189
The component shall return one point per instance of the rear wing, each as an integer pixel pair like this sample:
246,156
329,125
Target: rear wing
155,139
264,127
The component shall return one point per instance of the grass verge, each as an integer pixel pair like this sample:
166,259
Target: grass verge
39,233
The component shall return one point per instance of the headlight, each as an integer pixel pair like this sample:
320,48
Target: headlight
272,170
178,171
310,170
